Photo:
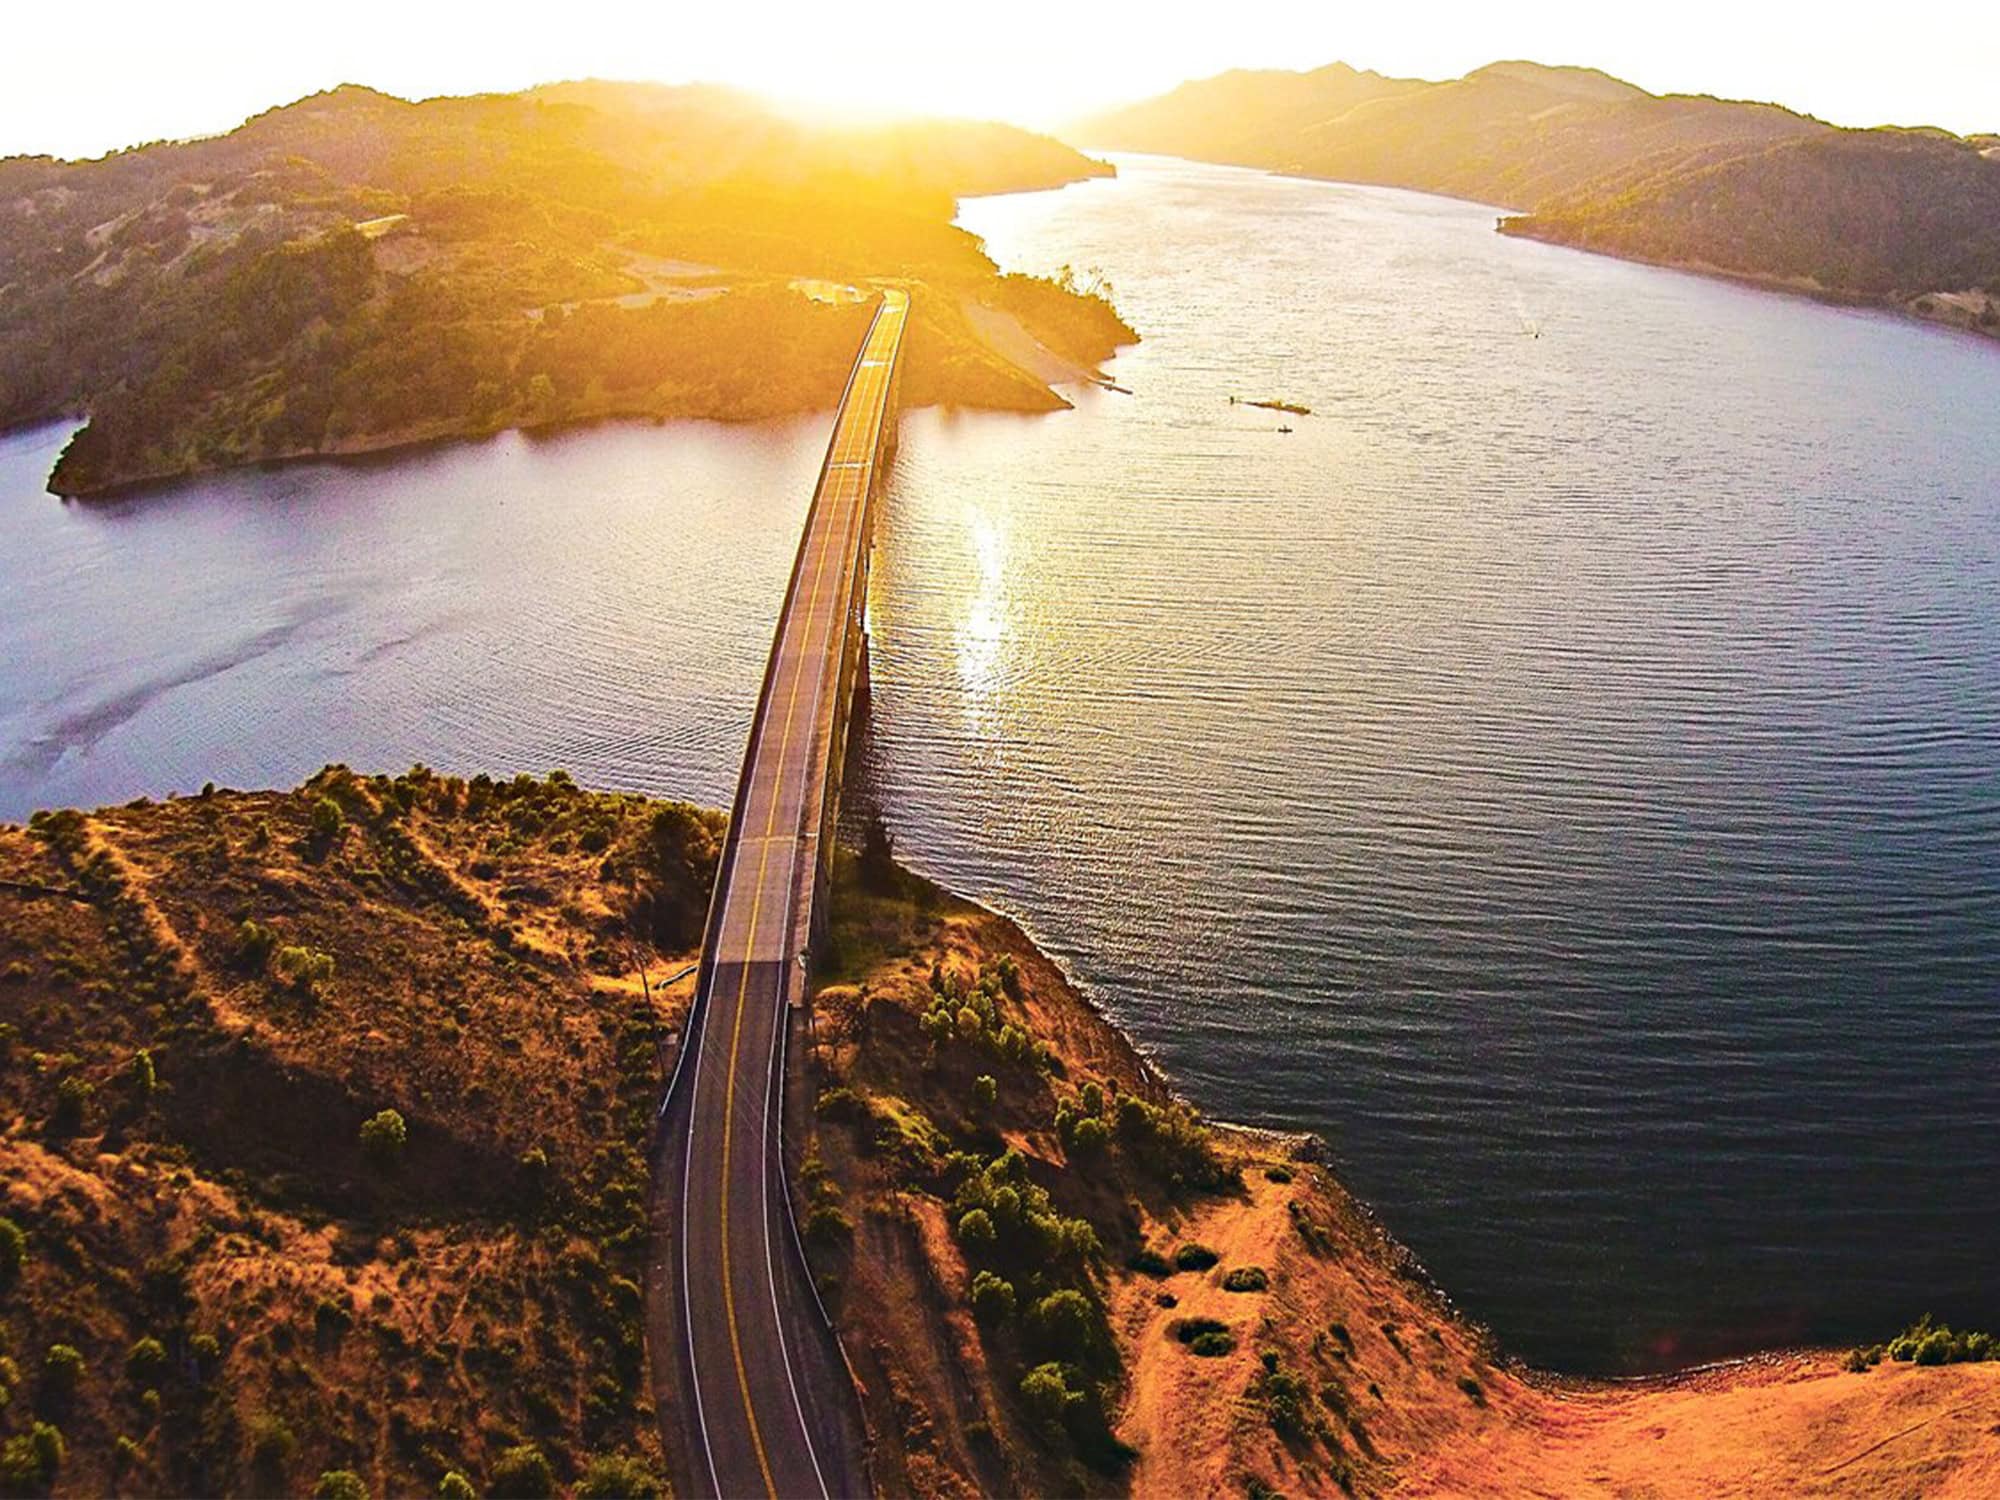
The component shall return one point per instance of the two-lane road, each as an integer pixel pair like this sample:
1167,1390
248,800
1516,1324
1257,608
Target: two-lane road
770,1407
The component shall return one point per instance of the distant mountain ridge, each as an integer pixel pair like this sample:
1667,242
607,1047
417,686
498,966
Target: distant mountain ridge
1909,218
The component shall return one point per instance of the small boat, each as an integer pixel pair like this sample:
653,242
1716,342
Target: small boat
1284,429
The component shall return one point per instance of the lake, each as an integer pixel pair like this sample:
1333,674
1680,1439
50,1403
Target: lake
1563,771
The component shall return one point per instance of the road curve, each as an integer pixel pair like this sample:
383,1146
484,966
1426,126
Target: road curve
765,1402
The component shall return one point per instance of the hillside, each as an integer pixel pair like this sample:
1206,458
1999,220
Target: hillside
353,272
208,1005
1054,1278
1904,218
225,1269
1883,215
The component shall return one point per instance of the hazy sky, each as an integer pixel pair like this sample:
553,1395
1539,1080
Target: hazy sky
82,80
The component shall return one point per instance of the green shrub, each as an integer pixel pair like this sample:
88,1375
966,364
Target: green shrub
618,1476
841,1103
1148,1262
522,1472
992,1299
303,969
271,1443
63,1370
1246,1279
1067,1326
383,1137
985,1091
72,1102
29,1460
455,1486
1286,1401
141,1076
975,1228
1472,1388
327,821
254,945
1047,1396
1195,1257
13,1251
145,1359
1207,1337
1090,1137
340,1484
1926,1342
827,1224
1277,1174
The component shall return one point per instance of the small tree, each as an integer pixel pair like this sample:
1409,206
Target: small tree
327,821
455,1486
523,1473
1047,1396
62,1371
383,1137
340,1484
992,1300
72,1101
144,1360
618,1476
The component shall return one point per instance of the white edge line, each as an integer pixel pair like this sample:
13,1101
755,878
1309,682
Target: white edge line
687,1176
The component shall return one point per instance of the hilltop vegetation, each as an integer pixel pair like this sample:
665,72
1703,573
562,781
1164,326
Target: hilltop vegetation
353,271
324,1126
1910,218
322,1171
1053,1277
1885,215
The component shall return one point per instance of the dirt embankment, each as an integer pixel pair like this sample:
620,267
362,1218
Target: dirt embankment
1300,1351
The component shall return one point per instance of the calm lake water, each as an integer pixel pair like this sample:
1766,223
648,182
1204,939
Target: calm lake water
1564,771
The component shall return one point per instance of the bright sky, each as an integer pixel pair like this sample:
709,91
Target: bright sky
114,72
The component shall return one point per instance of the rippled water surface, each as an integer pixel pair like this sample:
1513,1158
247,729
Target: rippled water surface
1564,771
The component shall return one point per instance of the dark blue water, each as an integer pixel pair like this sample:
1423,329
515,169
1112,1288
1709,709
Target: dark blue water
1564,770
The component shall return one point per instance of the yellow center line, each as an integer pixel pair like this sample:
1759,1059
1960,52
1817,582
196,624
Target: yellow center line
742,993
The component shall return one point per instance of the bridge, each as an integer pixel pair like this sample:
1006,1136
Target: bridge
753,1370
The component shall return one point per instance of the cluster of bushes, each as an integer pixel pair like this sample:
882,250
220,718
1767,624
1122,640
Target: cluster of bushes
1007,1219
1034,1294
971,1015
1926,1342
1208,1337
1286,1402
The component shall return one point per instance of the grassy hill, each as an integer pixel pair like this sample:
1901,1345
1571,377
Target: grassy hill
323,1119
257,1275
354,271
1901,217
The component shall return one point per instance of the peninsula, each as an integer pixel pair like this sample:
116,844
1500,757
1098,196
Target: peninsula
354,272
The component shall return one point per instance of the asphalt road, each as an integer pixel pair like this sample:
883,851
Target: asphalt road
769,1406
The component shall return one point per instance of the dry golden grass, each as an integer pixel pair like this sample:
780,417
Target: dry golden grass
317,1307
